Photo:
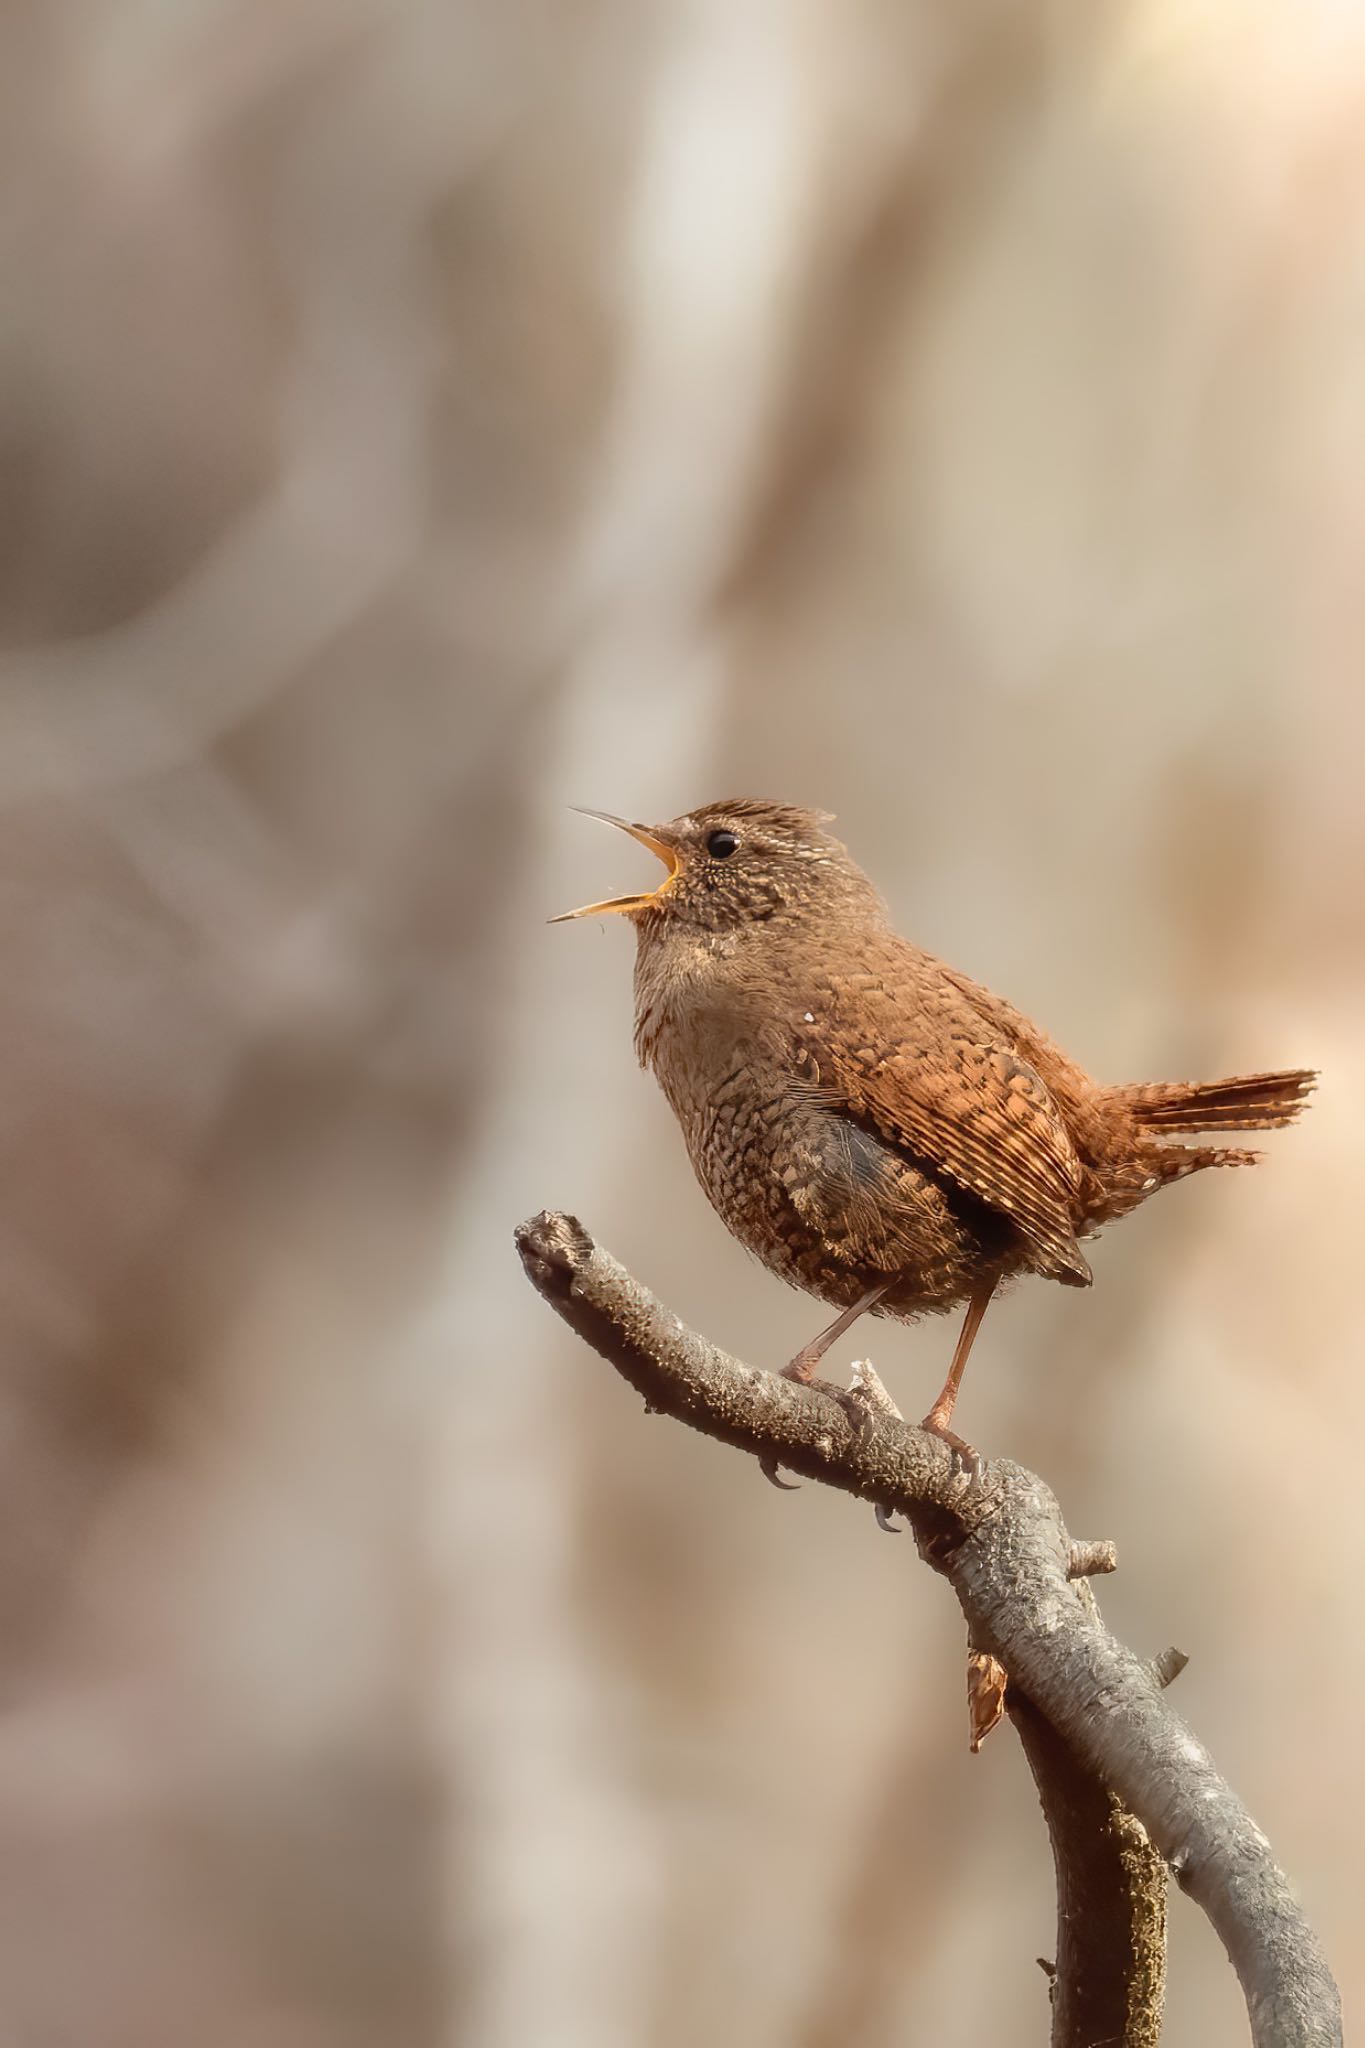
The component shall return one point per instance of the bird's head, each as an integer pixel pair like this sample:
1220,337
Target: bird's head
744,861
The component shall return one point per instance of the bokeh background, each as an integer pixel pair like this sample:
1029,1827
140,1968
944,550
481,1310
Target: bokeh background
418,418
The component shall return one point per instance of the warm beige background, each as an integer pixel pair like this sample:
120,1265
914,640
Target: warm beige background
417,418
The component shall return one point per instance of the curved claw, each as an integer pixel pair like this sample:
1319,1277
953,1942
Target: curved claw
768,1467
884,1521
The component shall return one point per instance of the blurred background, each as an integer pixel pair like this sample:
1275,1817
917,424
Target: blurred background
417,419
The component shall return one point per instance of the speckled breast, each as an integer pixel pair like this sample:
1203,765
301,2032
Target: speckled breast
827,1205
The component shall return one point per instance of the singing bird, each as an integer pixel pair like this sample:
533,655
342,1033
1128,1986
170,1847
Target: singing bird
876,1127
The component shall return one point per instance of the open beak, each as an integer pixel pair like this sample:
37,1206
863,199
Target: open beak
667,854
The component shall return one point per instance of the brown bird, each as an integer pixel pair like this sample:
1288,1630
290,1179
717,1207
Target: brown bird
876,1127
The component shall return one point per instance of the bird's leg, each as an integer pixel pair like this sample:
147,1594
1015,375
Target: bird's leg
803,1365
941,1414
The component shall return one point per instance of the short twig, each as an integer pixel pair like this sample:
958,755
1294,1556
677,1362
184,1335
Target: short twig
1168,1666
1091,1560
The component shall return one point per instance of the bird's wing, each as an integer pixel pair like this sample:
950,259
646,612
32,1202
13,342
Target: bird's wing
910,1054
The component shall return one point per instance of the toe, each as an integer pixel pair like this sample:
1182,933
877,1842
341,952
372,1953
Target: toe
965,1455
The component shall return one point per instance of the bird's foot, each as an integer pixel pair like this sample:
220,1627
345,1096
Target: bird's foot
862,1401
966,1457
852,1400
802,1370
866,1387
802,1367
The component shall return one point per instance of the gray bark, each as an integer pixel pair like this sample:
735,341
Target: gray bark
1001,1542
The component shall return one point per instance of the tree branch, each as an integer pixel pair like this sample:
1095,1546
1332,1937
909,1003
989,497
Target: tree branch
1110,1977
1002,1544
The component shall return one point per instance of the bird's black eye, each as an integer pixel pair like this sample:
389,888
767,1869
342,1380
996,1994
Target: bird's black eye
721,845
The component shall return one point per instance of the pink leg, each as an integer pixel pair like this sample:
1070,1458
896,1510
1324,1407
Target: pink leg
941,1414
803,1365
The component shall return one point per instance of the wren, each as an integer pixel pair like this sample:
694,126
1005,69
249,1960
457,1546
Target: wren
877,1128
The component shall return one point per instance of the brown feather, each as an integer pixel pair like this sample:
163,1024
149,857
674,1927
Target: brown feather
901,1046
1246,1102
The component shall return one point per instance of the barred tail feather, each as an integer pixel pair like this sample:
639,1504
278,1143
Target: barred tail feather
1247,1102
1173,1162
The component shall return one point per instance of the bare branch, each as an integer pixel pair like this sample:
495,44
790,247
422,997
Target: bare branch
1002,1544
1109,1979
